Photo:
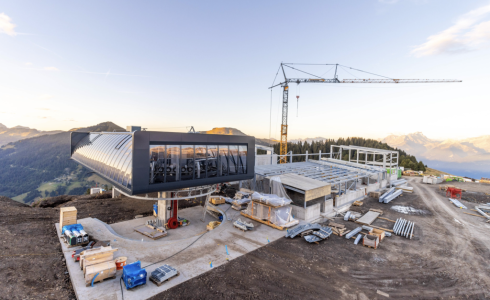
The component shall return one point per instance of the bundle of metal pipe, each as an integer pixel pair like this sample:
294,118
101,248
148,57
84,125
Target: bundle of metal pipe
358,238
353,232
404,228
392,196
389,192
398,182
457,203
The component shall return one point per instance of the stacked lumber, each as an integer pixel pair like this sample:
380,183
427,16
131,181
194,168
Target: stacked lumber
374,195
68,216
357,203
338,229
98,263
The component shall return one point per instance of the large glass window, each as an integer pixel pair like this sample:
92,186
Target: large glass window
200,162
212,161
170,163
233,159
157,164
187,162
172,170
223,160
242,160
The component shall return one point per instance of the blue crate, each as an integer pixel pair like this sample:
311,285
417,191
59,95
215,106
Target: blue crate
133,275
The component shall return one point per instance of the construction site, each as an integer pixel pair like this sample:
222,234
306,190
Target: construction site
203,216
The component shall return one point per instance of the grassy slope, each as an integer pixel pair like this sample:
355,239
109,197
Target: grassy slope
434,172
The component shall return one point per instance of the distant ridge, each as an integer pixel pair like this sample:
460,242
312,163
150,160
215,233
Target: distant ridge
104,126
16,133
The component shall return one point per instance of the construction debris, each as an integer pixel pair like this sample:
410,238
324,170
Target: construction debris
357,203
404,228
316,236
243,225
291,233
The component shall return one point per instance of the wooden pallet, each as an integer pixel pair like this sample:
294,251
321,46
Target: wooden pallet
89,284
151,233
160,283
262,221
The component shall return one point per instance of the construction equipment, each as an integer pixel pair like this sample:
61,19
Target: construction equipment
320,79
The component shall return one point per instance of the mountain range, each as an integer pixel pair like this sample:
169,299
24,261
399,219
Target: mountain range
467,157
13,134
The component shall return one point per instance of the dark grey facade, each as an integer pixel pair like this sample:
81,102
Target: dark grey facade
147,161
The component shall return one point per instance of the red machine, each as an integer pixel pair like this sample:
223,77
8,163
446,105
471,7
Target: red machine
453,193
173,222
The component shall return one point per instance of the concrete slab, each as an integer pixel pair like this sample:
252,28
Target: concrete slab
192,262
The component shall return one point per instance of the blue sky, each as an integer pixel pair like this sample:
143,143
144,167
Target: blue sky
166,65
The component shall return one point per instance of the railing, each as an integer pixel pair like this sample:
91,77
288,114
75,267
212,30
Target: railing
303,157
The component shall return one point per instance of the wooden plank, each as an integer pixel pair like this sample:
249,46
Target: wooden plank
474,215
368,218
87,263
386,219
104,270
381,228
336,225
261,221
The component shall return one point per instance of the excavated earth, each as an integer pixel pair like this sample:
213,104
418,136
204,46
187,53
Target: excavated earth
447,258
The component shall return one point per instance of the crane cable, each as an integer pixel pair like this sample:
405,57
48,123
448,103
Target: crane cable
270,112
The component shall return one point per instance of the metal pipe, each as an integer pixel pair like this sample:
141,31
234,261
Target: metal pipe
401,227
396,224
407,229
411,234
408,232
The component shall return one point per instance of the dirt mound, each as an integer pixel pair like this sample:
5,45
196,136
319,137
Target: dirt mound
7,201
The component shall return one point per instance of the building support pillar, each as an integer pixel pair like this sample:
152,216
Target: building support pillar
163,208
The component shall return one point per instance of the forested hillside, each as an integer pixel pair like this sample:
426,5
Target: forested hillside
405,160
27,163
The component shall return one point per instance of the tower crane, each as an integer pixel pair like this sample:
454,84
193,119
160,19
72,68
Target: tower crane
320,79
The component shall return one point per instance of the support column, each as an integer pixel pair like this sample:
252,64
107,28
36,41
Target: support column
163,212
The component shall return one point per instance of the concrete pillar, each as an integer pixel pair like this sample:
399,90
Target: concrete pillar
115,193
163,212
320,155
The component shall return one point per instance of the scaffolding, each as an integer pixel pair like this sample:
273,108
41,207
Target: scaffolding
368,156
341,175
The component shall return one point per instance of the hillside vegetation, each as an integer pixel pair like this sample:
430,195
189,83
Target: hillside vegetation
28,163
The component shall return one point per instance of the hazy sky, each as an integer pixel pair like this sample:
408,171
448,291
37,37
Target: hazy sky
166,65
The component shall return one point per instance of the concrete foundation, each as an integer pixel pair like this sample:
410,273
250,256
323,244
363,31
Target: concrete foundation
190,263
350,197
308,214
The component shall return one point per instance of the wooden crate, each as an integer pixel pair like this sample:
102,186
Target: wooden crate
374,195
370,241
94,254
379,233
68,216
216,200
105,270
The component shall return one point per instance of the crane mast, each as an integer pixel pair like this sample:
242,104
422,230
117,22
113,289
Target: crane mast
319,79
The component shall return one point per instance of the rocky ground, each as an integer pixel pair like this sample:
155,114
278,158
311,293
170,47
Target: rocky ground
446,259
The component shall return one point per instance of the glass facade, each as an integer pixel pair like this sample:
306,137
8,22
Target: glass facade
170,163
107,154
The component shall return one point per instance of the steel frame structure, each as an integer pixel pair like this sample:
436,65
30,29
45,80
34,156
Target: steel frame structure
380,157
340,175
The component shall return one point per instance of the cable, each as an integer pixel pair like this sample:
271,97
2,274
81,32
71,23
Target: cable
365,72
304,72
349,72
